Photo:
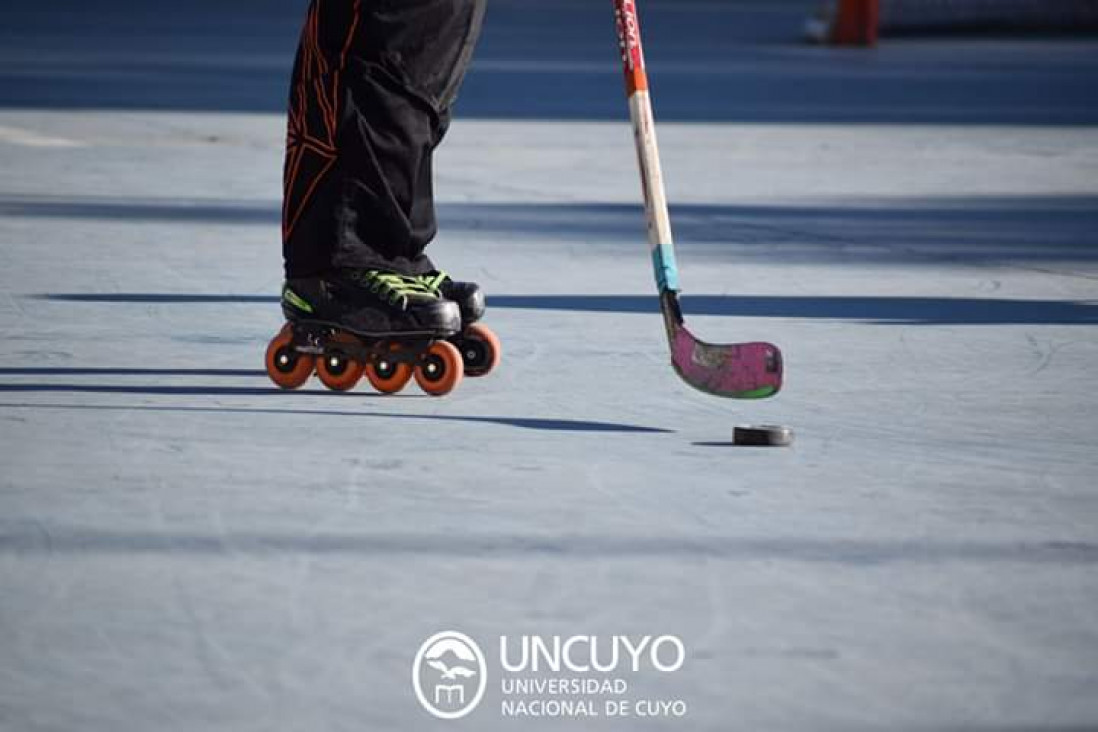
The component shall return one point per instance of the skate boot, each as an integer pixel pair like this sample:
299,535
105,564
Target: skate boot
353,322
479,346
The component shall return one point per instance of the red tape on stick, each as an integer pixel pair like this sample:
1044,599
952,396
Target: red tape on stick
629,40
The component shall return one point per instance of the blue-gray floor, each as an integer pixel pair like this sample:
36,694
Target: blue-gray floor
184,547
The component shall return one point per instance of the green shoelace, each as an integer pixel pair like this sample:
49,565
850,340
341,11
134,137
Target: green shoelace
433,281
394,288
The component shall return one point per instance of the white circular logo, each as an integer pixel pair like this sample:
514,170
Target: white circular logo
449,675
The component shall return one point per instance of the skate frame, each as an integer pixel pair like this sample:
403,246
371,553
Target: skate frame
736,370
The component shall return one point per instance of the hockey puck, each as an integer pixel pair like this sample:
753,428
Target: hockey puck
763,435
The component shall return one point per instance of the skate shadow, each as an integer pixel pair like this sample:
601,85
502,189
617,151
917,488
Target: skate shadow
519,423
182,390
107,371
190,390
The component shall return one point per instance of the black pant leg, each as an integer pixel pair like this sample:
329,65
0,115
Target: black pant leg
372,88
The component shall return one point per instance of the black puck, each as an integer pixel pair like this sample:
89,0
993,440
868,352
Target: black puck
763,435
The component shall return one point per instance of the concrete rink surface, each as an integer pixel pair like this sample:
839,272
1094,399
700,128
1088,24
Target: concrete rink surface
185,547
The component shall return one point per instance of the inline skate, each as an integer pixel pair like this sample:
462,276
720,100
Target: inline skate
351,323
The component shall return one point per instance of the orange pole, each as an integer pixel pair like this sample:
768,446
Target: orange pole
856,23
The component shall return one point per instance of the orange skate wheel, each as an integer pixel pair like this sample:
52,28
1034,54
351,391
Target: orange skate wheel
337,370
440,369
480,349
389,377
286,366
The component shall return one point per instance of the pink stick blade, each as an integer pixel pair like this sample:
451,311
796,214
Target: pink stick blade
741,370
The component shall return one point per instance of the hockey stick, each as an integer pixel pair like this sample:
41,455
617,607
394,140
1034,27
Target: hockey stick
738,370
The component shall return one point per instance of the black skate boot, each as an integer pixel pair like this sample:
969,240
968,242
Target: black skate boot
479,346
349,322
467,295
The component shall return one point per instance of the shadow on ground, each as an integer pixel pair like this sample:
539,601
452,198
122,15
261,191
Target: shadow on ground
31,539
527,423
1051,228
105,371
880,310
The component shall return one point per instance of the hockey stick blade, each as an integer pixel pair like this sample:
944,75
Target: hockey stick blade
734,370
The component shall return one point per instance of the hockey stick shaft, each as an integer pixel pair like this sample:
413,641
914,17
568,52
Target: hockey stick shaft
658,217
